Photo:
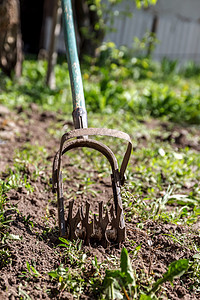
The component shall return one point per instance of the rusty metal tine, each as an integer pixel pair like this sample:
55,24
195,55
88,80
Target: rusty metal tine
125,162
115,223
61,216
101,224
72,222
89,227
100,210
112,211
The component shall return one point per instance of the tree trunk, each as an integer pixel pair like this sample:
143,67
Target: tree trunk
52,53
10,38
90,36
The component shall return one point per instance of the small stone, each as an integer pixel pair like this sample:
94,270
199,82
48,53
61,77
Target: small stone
4,110
7,135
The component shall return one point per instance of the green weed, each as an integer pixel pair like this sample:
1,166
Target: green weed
68,279
71,278
110,88
194,273
3,209
122,284
22,294
80,274
30,274
29,160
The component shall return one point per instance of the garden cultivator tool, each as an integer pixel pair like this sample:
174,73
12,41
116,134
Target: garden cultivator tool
102,229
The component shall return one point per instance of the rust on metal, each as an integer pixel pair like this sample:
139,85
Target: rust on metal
103,230
72,222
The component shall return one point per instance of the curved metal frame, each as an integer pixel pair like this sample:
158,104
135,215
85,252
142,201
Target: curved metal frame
69,142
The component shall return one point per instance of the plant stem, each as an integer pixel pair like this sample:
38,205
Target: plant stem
125,293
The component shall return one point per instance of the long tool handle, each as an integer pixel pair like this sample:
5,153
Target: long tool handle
79,110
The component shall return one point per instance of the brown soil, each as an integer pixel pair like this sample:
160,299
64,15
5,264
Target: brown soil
35,219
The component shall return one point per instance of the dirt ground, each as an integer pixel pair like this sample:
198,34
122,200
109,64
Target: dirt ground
34,218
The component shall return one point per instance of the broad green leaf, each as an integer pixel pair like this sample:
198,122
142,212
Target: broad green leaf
53,274
145,297
59,272
112,289
126,266
175,269
114,273
182,200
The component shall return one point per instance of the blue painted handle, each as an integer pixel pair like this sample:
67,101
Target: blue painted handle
72,56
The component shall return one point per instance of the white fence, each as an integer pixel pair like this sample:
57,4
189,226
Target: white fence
179,38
